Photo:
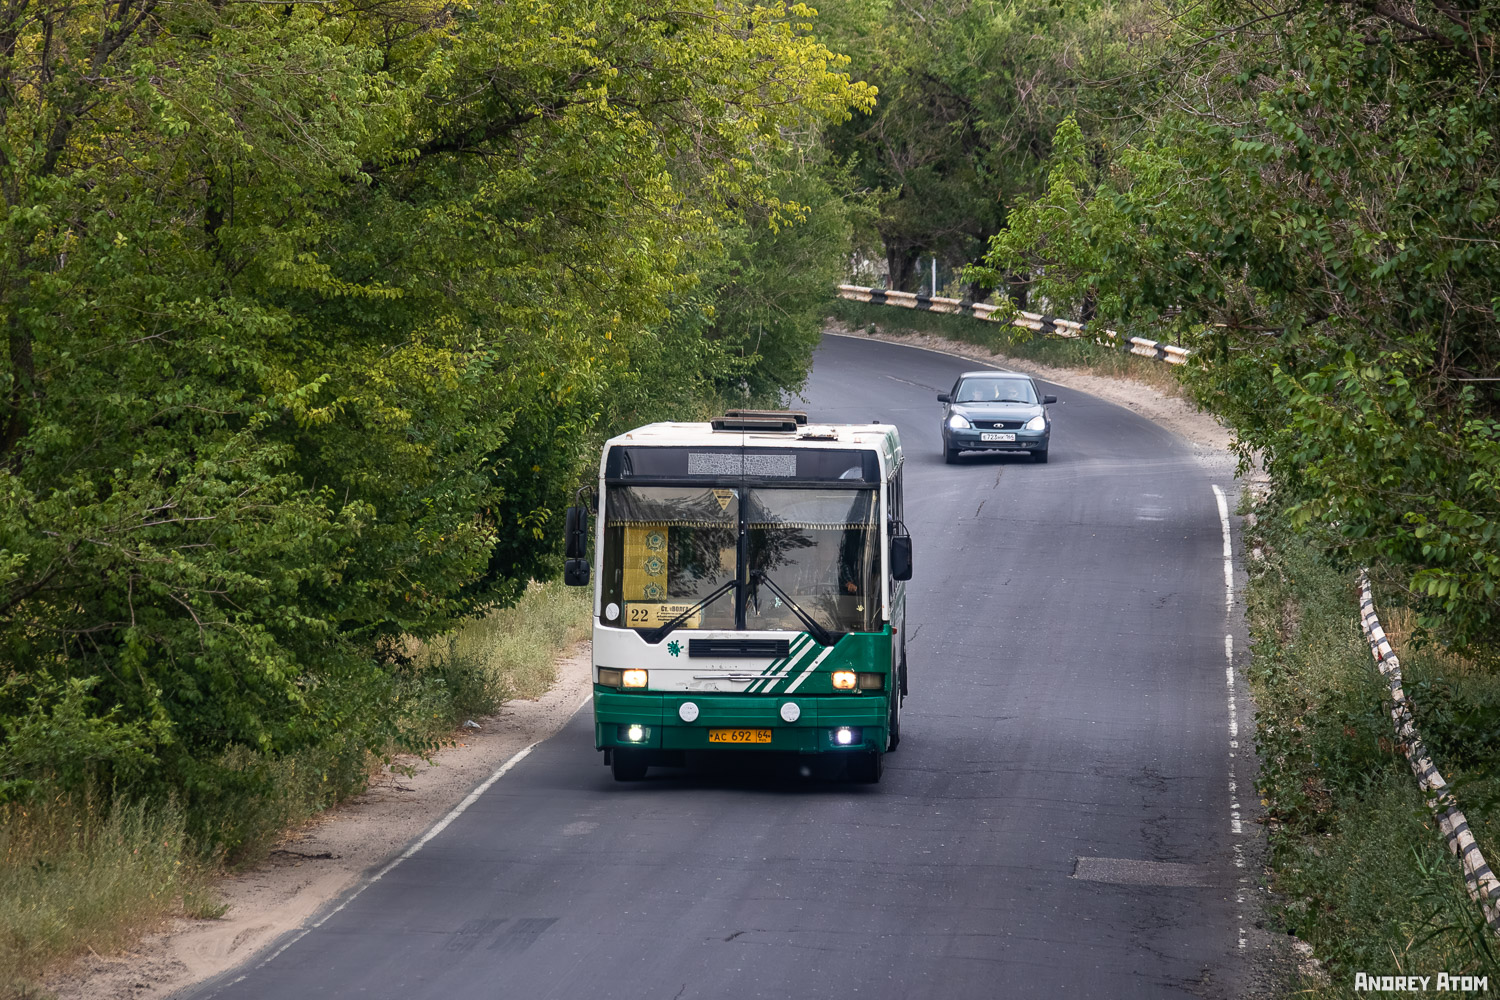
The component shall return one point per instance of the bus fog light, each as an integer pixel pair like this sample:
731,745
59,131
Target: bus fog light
609,677
843,680
871,682
635,733
634,679
845,735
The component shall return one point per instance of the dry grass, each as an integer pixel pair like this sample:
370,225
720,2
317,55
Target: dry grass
516,648
1400,625
75,876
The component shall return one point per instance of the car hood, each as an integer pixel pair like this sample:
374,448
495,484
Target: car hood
998,411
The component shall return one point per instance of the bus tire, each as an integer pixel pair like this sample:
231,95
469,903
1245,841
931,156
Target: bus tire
627,765
893,740
866,767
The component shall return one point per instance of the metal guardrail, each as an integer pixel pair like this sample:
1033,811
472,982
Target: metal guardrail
1051,325
1481,882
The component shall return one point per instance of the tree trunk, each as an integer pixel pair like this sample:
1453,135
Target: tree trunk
1016,287
901,260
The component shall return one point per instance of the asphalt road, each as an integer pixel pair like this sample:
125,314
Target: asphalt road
1068,701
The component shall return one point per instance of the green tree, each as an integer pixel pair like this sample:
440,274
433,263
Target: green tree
1317,217
311,311
971,94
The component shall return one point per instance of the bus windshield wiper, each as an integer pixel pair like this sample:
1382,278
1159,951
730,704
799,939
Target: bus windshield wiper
656,635
814,628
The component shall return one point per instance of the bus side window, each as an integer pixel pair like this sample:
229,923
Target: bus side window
895,504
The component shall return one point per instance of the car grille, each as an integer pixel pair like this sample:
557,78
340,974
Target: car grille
1000,425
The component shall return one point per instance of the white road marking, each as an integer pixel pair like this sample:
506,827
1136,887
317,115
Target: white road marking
436,829
1228,547
1236,825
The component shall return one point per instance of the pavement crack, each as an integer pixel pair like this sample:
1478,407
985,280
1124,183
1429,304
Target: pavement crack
919,385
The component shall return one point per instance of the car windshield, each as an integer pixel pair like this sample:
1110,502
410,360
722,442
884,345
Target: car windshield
995,390
667,547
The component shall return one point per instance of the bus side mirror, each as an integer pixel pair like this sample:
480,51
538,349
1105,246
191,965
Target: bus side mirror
575,546
900,557
576,573
575,541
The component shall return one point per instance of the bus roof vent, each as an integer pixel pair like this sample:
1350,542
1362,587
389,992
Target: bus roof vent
760,420
798,415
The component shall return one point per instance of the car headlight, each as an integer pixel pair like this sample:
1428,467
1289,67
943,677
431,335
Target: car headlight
959,422
1036,423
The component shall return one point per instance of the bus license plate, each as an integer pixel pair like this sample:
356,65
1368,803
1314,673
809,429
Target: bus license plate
739,736
997,437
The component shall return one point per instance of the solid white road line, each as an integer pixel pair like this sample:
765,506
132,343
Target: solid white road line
421,842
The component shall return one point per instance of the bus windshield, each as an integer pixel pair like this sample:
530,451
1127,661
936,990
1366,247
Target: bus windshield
668,547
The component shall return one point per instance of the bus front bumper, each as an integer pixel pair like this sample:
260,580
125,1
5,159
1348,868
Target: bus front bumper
656,720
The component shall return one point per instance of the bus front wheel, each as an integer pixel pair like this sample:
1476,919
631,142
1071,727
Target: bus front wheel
627,765
866,767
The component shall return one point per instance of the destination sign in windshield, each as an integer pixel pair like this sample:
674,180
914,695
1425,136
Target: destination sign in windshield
820,465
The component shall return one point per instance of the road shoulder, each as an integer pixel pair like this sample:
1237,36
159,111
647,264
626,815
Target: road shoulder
317,863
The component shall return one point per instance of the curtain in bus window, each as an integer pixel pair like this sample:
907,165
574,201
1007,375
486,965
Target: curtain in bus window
668,547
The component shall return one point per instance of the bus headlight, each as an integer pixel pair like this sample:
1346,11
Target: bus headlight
633,679
844,680
871,682
609,677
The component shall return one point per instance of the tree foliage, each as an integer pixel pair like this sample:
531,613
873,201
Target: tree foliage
311,311
971,93
1317,216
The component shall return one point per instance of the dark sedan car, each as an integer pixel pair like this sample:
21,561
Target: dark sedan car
995,411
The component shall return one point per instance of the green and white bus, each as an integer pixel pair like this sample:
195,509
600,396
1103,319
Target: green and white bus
749,591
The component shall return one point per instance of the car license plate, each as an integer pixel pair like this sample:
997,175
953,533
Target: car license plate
997,437
739,736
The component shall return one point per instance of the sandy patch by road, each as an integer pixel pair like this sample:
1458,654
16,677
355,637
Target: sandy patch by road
316,864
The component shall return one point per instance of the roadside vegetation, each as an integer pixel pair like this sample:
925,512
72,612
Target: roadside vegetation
90,870
1361,872
314,318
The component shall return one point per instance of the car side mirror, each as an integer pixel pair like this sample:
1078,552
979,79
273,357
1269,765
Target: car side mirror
576,573
1048,399
943,398
900,557
575,533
